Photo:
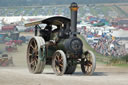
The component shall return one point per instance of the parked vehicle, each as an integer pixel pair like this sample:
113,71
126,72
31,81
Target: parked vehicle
9,28
5,60
10,46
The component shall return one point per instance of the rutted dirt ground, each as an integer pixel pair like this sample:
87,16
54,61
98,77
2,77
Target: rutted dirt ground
102,76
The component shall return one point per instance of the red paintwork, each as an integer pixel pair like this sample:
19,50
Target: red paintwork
8,27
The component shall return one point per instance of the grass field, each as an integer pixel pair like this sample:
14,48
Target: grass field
118,9
121,65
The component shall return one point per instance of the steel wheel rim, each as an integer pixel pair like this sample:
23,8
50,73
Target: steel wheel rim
32,55
88,63
58,63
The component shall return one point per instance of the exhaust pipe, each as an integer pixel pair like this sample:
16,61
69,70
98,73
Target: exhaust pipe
74,8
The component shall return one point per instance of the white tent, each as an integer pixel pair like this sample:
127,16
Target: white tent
120,33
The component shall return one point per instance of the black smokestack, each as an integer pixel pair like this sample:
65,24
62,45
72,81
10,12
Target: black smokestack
74,9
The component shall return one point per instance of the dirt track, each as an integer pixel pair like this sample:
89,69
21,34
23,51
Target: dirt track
102,76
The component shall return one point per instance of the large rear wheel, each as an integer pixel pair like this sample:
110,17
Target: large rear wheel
88,64
35,55
59,62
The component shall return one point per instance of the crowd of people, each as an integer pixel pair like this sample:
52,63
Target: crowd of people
107,45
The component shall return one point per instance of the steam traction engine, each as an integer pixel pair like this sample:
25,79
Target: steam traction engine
58,45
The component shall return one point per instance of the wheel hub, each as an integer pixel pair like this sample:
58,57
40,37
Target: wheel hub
88,63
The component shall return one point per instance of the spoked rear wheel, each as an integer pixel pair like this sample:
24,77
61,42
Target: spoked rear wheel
88,64
59,62
34,55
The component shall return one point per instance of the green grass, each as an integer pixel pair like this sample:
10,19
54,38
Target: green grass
104,9
27,11
119,10
121,65
93,11
36,12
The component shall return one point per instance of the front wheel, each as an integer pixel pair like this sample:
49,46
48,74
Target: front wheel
59,62
35,55
88,64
